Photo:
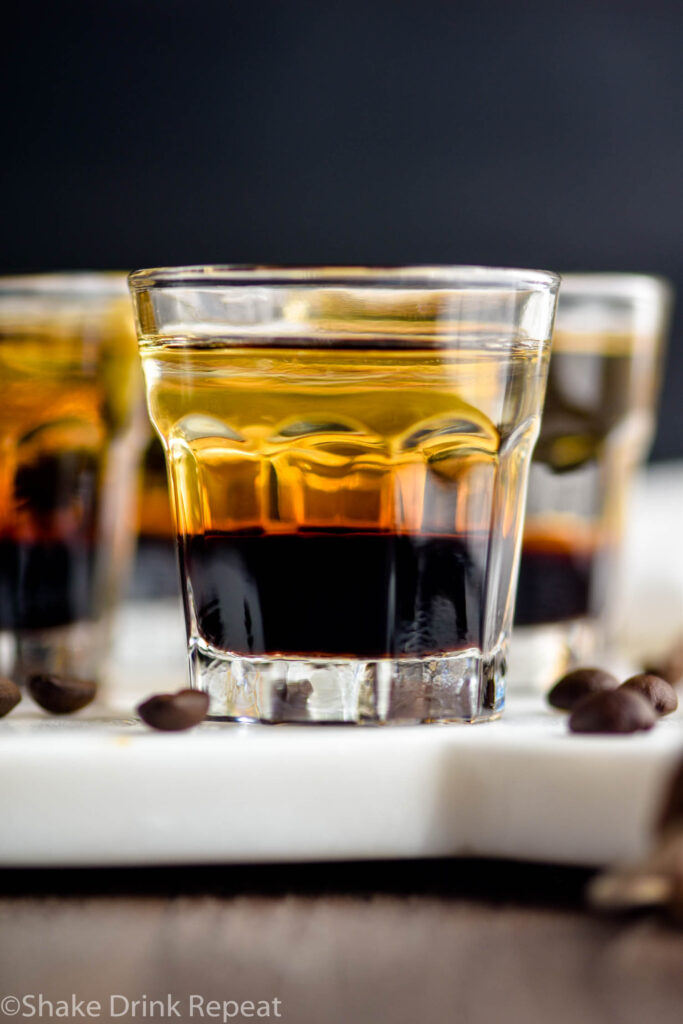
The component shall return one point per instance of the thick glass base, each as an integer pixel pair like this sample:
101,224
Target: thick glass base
79,649
539,655
461,686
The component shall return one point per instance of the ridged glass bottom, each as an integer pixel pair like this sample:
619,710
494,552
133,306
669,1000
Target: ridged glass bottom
458,687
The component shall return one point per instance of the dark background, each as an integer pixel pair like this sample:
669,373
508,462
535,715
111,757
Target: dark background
142,132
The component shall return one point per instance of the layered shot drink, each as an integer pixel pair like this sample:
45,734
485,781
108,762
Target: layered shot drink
348,453
596,429
69,415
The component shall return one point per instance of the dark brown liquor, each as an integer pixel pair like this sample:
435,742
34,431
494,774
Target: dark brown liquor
47,555
46,584
335,592
554,585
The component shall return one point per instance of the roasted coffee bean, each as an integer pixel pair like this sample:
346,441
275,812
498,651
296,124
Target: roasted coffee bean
173,712
61,695
580,683
671,814
613,711
10,695
660,694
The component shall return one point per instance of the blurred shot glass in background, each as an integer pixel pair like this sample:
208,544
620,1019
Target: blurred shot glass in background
71,423
348,453
155,573
597,426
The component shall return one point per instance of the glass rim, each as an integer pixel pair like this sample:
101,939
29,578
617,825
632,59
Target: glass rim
615,285
456,277
65,284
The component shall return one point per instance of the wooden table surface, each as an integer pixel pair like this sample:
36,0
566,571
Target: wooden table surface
414,941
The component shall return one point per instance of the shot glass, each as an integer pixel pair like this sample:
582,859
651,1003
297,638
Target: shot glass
596,429
70,417
348,453
155,571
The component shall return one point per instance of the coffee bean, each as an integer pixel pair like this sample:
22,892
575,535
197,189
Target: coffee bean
580,683
10,695
61,695
613,711
671,814
660,694
173,712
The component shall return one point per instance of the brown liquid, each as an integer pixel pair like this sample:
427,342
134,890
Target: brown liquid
69,386
554,581
346,501
596,425
336,592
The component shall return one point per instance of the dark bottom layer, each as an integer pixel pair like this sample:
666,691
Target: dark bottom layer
46,585
338,593
553,586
